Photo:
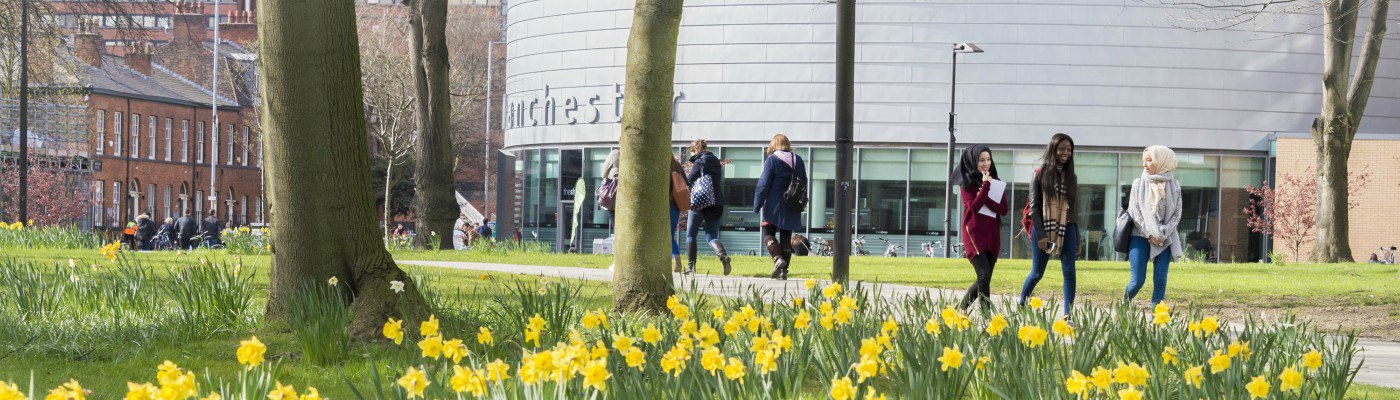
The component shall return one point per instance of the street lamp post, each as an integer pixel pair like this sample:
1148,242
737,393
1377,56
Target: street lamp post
845,136
486,164
24,112
952,142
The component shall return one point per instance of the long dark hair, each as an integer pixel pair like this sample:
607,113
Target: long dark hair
1050,163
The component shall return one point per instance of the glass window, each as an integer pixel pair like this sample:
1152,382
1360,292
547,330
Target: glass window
113,214
199,142
1235,242
98,216
168,123
529,210
822,192
135,135
101,132
199,203
231,141
245,145
166,204
184,140
929,169
1199,194
880,197
549,194
740,229
151,137
117,123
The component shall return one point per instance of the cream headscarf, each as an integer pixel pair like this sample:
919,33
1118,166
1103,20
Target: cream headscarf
1165,160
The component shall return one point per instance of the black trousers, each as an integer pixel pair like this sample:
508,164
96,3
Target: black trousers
783,237
983,264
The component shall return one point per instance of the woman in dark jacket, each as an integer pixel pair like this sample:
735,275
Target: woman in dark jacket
981,233
1054,189
703,163
779,218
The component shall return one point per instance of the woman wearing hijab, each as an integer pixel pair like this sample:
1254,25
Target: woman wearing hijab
1054,189
1155,207
981,234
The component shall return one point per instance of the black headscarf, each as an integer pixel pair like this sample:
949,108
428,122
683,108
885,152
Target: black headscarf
966,174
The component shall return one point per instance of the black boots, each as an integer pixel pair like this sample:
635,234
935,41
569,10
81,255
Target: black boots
779,255
690,257
719,251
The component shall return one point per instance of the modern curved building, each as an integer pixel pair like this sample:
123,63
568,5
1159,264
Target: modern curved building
1117,76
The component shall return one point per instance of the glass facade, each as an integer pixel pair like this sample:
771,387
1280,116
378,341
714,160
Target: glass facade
900,199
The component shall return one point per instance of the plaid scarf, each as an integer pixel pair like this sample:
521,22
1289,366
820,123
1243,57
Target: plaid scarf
1055,214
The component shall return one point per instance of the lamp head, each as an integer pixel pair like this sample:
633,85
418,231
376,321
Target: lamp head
966,48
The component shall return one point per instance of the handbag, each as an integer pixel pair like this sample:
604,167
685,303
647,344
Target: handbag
607,194
680,193
702,194
1123,230
1123,233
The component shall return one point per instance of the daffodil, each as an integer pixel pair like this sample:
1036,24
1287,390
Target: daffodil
333,281
932,326
431,346
1076,383
798,302
467,380
672,302
1131,374
681,312
311,394
250,352
1062,328
1101,377
1193,376
1239,348
429,327
841,389
595,375
1037,303
1210,325
832,290
810,283
484,337
497,370
1312,360
414,381
1290,380
766,361
10,391
394,330
396,286
1258,388
145,391
651,335
996,325
802,321
1219,362
952,358
636,358
1129,394
280,392
867,368
1032,336
711,359
455,350
735,370
1169,355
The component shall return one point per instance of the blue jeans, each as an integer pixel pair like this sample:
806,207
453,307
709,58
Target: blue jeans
693,225
675,216
1138,253
1069,249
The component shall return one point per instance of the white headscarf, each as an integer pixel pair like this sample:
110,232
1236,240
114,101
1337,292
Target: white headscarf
1165,160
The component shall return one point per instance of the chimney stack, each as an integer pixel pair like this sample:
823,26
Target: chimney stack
87,45
139,58
189,23
239,28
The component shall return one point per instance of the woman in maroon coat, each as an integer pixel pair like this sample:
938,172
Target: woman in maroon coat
981,234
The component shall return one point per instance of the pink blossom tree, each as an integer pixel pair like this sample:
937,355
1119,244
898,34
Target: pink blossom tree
55,196
1289,214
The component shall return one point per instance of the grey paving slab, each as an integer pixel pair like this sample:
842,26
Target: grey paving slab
1380,360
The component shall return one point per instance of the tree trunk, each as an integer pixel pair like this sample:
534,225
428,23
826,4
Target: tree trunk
1343,105
435,205
642,281
319,185
388,201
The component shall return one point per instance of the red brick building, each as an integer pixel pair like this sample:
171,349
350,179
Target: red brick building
121,24
155,142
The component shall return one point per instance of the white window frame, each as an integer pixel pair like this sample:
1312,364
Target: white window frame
150,199
184,141
135,135
168,188
169,125
101,134
99,216
116,203
199,142
245,145
231,140
153,122
117,122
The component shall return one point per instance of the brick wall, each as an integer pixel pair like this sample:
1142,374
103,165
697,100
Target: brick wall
172,172
1372,221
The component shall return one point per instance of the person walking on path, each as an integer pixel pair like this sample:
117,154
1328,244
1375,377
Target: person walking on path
187,229
706,176
981,233
1054,190
782,183
676,171
209,230
1155,207
145,231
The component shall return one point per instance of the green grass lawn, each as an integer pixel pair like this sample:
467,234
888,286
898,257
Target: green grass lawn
108,373
1248,285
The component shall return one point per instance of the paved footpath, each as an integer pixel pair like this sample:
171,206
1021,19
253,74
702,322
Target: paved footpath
1381,367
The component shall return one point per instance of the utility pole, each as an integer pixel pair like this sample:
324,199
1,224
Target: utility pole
845,135
24,111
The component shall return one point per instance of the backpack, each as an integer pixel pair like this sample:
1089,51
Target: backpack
607,194
1026,220
796,194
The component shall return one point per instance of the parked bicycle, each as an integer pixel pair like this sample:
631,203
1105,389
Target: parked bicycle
891,249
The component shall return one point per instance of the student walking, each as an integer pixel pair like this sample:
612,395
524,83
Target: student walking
1155,207
1054,190
706,179
780,197
981,233
676,171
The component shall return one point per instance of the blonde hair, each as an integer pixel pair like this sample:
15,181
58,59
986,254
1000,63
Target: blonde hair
698,145
779,142
1163,157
